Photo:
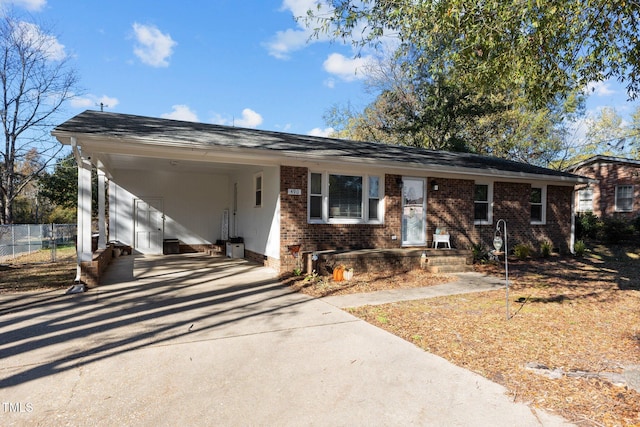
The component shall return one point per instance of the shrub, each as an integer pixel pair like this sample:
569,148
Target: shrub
480,253
579,247
522,250
636,223
588,225
615,229
546,247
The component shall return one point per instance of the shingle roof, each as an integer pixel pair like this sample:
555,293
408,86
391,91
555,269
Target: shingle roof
133,127
603,159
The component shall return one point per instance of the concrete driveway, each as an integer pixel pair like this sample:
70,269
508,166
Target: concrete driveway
197,340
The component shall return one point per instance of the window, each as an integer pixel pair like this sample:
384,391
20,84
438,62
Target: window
374,197
258,189
344,198
585,200
315,196
482,204
624,198
537,200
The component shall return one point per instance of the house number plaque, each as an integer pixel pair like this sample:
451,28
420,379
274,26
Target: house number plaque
294,192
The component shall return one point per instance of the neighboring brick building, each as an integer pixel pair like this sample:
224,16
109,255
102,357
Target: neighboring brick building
616,192
199,185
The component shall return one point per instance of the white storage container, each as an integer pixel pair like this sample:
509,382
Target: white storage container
235,250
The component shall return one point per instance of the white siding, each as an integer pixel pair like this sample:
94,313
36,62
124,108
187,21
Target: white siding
193,203
259,226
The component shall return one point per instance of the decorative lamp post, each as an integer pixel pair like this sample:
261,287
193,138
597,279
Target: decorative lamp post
498,241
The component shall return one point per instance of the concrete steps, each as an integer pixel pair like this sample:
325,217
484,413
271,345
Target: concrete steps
449,261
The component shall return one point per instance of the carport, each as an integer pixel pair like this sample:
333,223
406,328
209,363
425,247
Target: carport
164,184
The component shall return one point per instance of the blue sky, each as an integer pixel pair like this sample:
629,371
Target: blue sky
243,63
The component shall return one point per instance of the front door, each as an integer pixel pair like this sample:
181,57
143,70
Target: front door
414,212
148,226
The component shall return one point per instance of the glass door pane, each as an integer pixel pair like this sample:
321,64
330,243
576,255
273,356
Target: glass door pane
413,212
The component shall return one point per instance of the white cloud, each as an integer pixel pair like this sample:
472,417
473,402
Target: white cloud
219,120
92,101
321,132
153,47
287,41
31,34
250,119
181,112
31,5
599,89
345,68
299,7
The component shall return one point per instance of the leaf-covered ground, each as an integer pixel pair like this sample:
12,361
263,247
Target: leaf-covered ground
318,286
36,272
578,316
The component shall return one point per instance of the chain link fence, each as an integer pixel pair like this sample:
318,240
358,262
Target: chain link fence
17,240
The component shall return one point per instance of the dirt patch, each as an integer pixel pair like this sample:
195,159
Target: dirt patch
577,317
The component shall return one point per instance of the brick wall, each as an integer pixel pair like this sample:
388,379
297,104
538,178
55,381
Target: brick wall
609,175
295,230
92,271
450,206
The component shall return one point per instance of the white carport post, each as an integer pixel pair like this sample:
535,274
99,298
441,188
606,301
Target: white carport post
102,229
83,249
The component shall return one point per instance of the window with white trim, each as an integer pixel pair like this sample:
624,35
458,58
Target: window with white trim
624,198
374,198
483,194
585,200
315,197
538,204
344,198
257,187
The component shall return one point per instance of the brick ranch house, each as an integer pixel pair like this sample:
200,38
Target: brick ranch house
201,184
616,191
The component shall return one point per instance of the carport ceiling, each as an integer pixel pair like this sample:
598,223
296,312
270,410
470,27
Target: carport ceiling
121,161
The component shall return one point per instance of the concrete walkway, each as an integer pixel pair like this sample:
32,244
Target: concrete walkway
466,283
195,340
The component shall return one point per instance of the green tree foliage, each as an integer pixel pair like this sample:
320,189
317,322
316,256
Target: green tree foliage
442,114
35,81
61,186
539,48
